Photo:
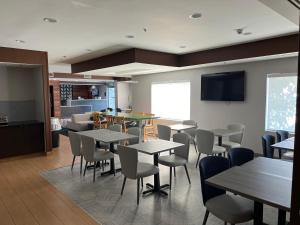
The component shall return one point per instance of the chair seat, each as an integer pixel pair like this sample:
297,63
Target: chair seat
172,160
218,149
103,155
146,169
288,155
231,208
230,144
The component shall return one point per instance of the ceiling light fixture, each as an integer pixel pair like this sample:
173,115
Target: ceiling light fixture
129,36
195,16
50,20
20,41
64,56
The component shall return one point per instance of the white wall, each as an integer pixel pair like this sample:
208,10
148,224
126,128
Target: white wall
124,95
211,115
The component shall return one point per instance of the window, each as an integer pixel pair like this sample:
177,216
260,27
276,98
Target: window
281,102
171,100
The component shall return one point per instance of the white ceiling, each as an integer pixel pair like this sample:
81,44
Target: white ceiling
101,25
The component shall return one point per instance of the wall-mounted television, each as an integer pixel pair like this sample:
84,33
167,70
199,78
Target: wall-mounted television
227,86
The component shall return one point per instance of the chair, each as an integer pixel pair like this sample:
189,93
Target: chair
121,121
90,153
164,132
180,156
149,127
234,141
109,120
231,209
75,142
118,109
97,120
115,127
133,169
281,135
205,144
192,131
134,131
239,156
267,142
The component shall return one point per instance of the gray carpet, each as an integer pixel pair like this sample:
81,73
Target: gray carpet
102,199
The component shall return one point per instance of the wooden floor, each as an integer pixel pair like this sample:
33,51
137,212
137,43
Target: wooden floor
27,199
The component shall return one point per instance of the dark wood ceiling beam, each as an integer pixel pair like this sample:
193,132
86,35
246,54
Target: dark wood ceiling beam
156,58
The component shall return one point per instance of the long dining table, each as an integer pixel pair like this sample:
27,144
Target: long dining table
263,180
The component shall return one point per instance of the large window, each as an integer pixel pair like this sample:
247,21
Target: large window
171,100
281,102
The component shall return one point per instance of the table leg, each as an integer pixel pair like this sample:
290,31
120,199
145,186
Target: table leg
281,217
141,126
258,213
112,162
220,140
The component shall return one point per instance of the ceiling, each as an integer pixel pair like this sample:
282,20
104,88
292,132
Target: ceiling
87,29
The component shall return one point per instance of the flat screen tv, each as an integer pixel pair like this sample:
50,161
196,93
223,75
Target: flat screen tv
228,86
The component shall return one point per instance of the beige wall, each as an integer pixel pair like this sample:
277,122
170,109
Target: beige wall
124,95
211,115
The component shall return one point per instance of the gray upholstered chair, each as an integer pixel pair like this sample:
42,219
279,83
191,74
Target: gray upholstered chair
115,127
164,132
234,141
180,156
75,142
134,131
91,154
205,144
133,169
192,131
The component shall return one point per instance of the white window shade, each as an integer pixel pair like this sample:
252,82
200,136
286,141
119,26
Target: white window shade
281,102
171,100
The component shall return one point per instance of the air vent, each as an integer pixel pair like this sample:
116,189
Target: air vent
295,3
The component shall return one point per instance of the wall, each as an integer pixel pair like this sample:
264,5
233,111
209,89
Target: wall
56,97
211,115
124,95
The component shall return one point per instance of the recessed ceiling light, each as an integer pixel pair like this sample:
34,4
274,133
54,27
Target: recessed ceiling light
129,36
64,56
182,46
195,16
20,41
50,20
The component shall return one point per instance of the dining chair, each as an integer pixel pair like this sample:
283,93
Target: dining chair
180,156
134,131
267,142
75,142
239,156
192,131
92,155
115,127
234,141
109,120
163,132
231,209
133,169
281,135
149,129
205,141
120,120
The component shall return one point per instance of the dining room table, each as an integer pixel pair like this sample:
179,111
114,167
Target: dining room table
179,127
220,133
287,144
108,137
263,180
154,148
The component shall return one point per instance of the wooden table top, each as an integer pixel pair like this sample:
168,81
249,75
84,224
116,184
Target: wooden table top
155,146
259,180
181,126
106,135
225,132
287,144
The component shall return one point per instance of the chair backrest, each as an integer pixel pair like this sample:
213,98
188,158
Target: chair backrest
191,131
75,141
238,138
88,148
239,156
116,127
205,141
182,151
134,131
189,122
129,161
211,166
109,120
164,132
267,141
282,135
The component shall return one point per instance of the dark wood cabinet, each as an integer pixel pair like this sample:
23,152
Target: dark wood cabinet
21,138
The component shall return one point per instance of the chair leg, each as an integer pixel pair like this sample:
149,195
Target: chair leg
124,181
94,176
195,146
142,180
114,166
225,223
73,162
138,191
81,161
187,173
174,172
205,217
85,167
170,183
198,159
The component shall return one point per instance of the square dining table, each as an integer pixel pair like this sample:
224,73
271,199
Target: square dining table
181,127
154,147
220,133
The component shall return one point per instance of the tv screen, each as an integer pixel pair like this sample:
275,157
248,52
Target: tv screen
229,86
